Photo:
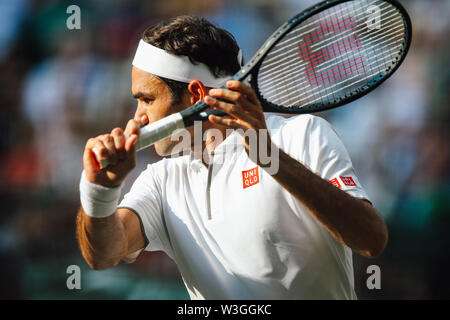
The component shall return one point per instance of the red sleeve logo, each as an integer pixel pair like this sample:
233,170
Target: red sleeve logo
250,177
335,182
348,181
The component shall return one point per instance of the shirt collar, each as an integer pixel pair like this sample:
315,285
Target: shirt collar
225,148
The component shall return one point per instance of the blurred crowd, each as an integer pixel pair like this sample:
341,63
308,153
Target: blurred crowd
58,87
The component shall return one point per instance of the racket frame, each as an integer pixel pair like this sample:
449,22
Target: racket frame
257,60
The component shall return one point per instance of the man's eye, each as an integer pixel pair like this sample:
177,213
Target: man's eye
148,100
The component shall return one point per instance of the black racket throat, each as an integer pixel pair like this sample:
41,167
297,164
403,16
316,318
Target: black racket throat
199,112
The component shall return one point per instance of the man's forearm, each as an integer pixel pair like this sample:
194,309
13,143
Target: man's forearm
102,241
351,221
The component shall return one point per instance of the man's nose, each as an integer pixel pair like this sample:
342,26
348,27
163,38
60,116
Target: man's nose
140,116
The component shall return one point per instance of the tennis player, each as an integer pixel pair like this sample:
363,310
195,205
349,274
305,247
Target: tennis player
234,230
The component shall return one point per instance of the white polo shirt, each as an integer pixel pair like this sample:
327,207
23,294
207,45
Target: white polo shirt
235,233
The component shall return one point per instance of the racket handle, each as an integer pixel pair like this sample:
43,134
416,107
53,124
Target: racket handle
96,156
150,134
161,129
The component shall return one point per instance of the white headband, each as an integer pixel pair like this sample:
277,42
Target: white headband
163,64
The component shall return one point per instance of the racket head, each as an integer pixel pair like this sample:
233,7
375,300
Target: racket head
331,54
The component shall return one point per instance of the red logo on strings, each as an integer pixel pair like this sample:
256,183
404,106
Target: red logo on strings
335,182
314,51
250,177
348,181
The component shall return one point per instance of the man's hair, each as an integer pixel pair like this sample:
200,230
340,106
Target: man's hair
199,40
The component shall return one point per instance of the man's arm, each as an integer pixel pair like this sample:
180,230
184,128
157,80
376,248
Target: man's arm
106,234
351,221
104,242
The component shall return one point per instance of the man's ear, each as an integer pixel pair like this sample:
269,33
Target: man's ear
197,91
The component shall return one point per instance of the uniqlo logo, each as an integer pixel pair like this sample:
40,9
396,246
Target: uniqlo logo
250,177
348,181
335,182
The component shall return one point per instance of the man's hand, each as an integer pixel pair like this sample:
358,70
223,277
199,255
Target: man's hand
118,150
245,112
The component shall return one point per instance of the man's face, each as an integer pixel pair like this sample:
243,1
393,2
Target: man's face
155,102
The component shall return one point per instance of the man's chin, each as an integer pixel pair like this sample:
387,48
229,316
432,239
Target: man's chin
162,152
168,150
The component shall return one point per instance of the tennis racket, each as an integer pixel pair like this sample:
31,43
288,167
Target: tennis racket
324,57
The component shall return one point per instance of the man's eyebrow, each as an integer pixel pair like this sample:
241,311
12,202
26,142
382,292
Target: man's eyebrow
140,95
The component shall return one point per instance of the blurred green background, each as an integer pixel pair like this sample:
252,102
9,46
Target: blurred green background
58,87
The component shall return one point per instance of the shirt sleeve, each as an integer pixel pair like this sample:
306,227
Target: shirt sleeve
323,152
144,199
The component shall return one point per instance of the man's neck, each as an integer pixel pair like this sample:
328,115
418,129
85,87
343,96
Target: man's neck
214,137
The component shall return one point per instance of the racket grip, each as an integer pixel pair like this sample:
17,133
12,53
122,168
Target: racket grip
101,163
150,134
159,130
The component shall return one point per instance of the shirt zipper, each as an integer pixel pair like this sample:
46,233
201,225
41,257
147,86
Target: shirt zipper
208,186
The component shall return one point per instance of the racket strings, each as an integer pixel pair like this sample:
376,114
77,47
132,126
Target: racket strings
379,35
335,60
375,67
332,58
288,54
291,36
287,58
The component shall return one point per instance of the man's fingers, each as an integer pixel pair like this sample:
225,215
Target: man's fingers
119,142
108,142
234,97
241,95
90,160
245,89
130,143
112,152
228,122
100,150
231,109
133,127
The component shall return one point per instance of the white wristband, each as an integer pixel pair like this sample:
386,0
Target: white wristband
98,201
